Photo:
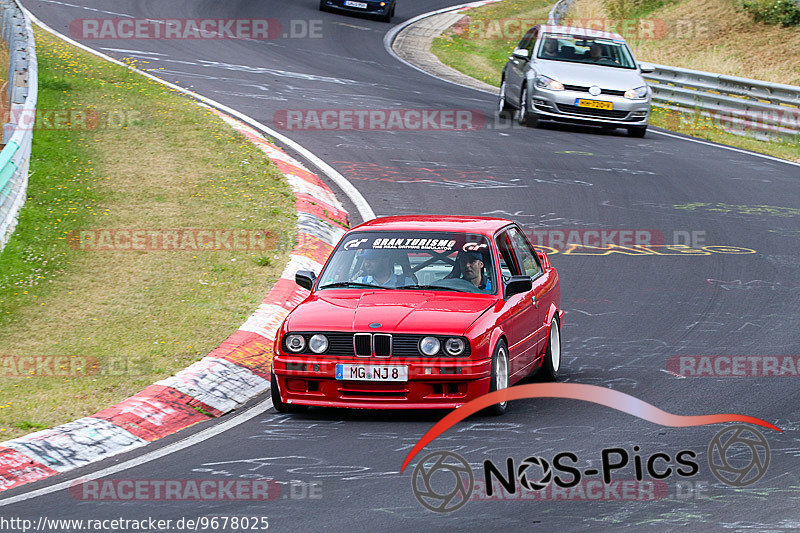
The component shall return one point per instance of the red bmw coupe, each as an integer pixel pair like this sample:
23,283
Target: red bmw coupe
415,312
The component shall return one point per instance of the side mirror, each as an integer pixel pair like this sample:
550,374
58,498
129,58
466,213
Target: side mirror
518,284
543,259
646,68
521,53
305,278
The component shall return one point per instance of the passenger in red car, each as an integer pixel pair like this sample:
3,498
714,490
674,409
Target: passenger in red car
472,269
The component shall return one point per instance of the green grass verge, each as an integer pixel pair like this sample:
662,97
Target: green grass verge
480,48
146,158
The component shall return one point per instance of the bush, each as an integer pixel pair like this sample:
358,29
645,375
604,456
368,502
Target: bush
783,12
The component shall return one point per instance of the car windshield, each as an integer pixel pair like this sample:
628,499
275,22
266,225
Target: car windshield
588,50
408,260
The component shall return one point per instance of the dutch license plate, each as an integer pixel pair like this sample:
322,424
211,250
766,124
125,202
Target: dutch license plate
350,3
594,104
371,373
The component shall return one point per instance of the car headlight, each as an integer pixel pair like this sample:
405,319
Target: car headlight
454,346
318,343
543,82
429,345
295,343
637,94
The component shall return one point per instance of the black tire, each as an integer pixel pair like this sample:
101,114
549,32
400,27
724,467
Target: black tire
504,109
637,131
322,6
276,399
552,357
524,116
500,352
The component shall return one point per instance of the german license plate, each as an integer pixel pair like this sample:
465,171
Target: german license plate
371,373
594,104
350,3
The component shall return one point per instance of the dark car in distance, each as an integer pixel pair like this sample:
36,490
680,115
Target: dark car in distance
382,9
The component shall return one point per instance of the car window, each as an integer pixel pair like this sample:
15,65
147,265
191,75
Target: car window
526,255
528,40
508,266
450,261
590,50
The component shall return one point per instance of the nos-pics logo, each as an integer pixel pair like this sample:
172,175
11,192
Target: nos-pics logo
443,481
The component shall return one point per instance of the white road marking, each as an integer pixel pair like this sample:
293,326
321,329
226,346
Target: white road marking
124,51
87,8
731,148
201,436
673,374
274,72
351,26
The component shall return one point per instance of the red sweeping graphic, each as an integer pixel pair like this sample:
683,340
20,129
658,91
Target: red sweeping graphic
573,391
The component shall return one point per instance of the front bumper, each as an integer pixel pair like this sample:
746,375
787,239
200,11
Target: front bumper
373,8
561,106
432,384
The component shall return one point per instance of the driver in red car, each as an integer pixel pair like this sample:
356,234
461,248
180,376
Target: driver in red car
471,264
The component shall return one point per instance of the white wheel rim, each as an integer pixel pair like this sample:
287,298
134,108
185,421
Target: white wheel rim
502,103
555,346
501,371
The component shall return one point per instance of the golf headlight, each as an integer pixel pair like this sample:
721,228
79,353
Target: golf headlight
429,345
543,82
637,94
295,343
318,343
454,346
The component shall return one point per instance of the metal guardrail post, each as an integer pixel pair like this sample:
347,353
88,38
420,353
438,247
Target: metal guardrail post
22,84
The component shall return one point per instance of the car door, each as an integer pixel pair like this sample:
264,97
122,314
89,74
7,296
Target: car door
516,314
516,67
541,295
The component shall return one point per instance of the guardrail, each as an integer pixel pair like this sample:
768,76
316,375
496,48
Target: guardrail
743,106
17,34
740,105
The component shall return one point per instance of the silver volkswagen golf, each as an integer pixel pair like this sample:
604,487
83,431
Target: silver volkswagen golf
575,75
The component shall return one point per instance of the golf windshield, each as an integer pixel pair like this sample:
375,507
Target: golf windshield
589,50
443,261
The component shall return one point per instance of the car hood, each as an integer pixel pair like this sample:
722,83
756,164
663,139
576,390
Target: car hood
395,311
587,75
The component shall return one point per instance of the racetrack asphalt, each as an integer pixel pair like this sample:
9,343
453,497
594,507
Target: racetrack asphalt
627,315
